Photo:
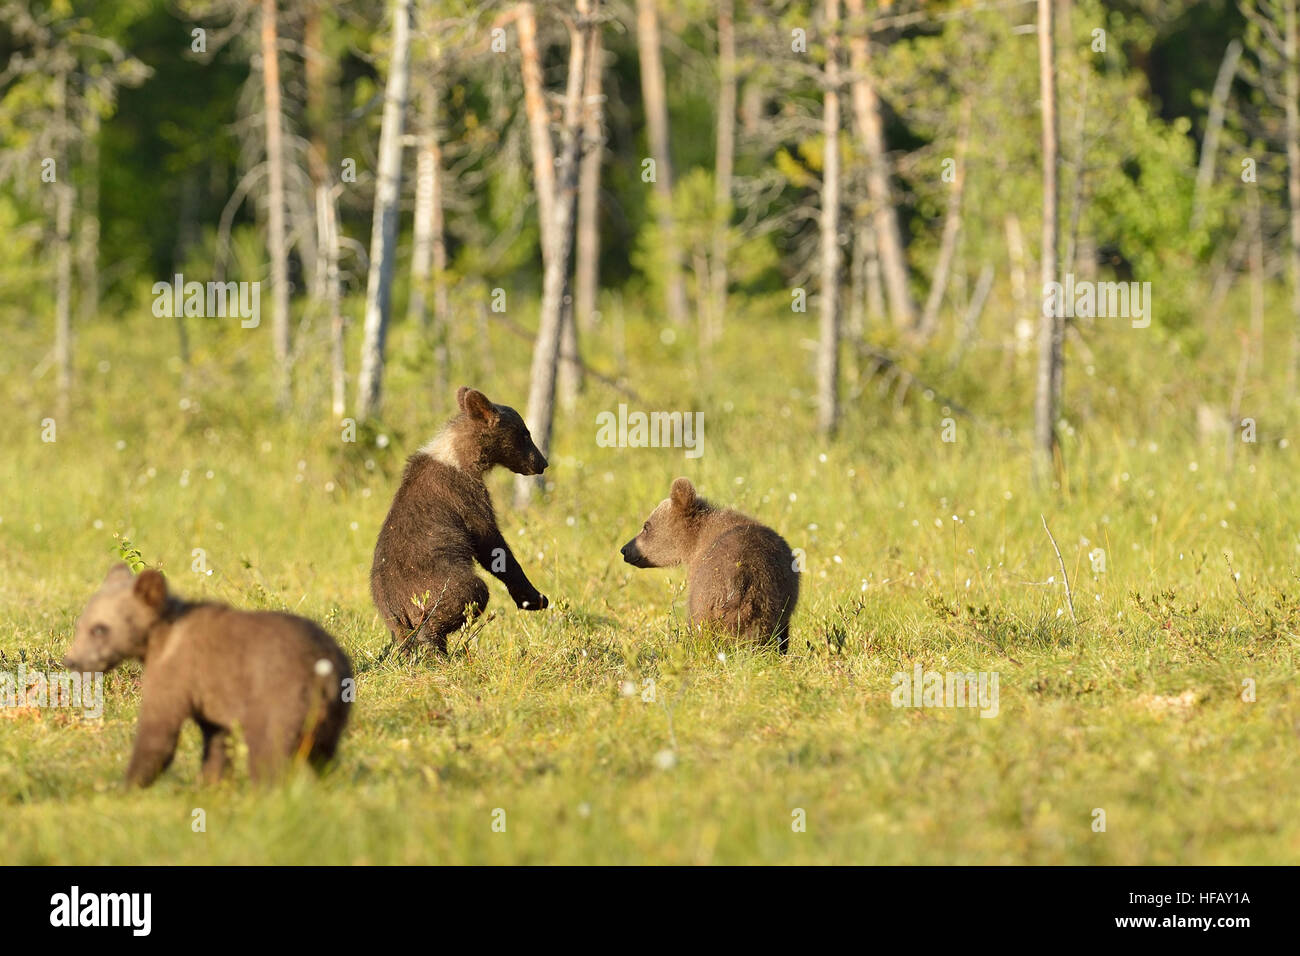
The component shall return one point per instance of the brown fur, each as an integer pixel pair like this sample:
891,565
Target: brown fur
278,677
442,522
741,574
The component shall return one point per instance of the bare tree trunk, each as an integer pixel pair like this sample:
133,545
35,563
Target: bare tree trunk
275,219
383,233
327,231
724,156
1292,85
951,230
539,127
1213,126
869,130
570,371
974,309
88,230
429,255
588,254
828,351
1052,327
656,110
546,351
314,68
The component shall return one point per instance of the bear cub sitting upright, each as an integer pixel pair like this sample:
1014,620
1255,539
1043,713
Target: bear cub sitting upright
741,574
442,522
279,678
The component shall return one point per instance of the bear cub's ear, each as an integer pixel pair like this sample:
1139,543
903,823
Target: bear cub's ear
151,588
475,404
683,494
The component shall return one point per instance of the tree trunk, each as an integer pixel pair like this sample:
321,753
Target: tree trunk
828,351
275,218
724,156
951,231
88,230
539,126
570,372
327,232
1051,331
656,110
588,254
868,127
546,351
429,253
1213,127
314,69
383,232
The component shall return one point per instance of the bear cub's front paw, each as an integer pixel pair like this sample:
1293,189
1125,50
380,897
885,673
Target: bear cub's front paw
533,602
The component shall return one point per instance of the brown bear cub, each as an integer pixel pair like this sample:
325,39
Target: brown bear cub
442,521
741,574
280,678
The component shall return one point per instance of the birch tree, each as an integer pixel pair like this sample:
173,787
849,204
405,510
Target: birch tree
429,243
653,92
277,247
868,128
1051,330
383,233
588,253
828,350
540,415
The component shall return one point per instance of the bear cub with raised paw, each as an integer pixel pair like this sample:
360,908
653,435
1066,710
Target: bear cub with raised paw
442,522
741,574
279,678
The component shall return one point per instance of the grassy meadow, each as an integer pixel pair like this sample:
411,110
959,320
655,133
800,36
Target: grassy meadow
918,550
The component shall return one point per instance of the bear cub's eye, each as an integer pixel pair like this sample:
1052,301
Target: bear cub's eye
99,630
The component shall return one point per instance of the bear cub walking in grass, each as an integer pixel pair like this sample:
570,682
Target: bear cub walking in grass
442,522
741,574
278,677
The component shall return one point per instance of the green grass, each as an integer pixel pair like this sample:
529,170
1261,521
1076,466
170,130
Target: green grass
1135,709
